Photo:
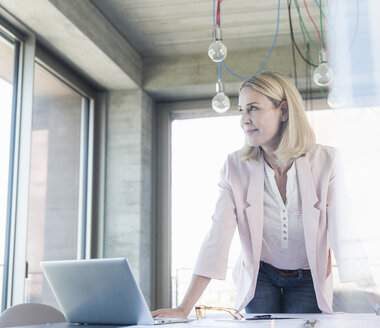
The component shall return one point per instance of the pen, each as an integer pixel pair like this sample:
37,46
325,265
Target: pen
268,317
260,317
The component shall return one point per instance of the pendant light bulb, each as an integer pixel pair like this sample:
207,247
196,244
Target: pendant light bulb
323,74
220,103
217,51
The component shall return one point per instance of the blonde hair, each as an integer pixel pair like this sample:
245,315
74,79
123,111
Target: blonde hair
297,136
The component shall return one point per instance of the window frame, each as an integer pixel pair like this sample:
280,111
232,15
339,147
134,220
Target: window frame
31,53
13,39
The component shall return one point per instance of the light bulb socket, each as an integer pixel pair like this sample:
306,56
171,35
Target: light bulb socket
219,86
322,56
217,34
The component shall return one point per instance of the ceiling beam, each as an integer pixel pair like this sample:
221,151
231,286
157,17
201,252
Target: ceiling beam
78,33
91,22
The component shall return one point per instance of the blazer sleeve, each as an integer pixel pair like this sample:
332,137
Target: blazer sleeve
342,227
213,256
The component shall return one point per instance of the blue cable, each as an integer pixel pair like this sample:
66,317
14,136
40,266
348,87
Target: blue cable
326,19
213,15
219,66
267,57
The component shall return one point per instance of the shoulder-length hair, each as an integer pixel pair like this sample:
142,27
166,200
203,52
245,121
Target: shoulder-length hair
297,136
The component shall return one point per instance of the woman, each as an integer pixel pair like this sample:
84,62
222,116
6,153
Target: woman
282,193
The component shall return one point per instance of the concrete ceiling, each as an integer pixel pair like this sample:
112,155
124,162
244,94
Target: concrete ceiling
161,45
157,28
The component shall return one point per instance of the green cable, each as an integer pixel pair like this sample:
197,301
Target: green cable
303,26
320,19
305,32
323,93
309,55
303,29
304,36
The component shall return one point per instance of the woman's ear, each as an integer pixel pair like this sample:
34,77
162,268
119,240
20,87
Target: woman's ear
284,111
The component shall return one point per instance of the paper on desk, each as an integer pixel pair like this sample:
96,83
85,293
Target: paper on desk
210,323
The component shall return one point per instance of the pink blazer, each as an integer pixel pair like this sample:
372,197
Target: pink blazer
326,223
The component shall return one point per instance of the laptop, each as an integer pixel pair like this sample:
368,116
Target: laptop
99,291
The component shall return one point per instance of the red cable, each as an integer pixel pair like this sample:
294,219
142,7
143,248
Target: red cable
218,14
311,18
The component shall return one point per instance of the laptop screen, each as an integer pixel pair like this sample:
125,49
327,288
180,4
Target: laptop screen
99,291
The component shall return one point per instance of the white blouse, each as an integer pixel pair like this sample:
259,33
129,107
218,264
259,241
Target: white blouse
283,236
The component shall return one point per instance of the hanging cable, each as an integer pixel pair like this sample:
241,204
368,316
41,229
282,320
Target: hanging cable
292,36
266,58
218,13
293,52
320,19
312,21
324,16
294,66
303,28
216,17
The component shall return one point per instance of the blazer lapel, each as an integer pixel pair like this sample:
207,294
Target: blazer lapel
255,209
310,213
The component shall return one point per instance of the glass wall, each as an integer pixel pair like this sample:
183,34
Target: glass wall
54,190
7,61
354,131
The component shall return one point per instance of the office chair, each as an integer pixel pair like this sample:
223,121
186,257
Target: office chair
30,314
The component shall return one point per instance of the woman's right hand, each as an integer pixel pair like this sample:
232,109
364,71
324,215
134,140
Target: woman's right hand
169,313
197,286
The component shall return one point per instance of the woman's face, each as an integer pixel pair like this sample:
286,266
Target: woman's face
261,120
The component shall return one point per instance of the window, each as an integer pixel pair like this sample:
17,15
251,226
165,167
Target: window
197,159
8,71
46,151
55,218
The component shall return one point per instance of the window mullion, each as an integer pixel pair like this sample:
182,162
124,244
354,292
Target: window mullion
17,264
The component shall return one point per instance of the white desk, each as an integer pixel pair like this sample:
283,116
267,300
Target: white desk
356,320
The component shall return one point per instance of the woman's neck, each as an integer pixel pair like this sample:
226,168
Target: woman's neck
271,158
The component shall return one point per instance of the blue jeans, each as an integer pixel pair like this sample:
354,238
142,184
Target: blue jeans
277,294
